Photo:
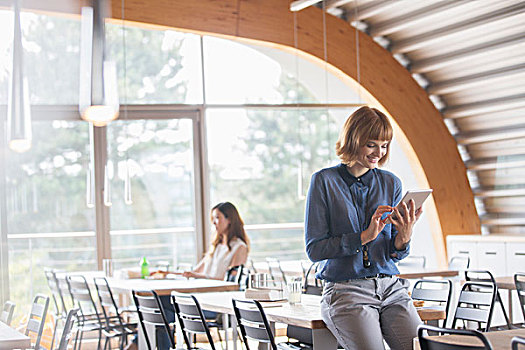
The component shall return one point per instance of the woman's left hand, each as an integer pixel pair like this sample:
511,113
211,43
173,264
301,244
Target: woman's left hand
189,274
405,224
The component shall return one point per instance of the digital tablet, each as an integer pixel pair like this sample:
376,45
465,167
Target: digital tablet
419,196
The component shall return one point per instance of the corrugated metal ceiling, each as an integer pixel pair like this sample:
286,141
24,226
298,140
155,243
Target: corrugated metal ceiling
470,58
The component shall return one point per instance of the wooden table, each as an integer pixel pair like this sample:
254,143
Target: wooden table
306,314
10,338
166,286
507,282
500,340
428,273
293,268
161,286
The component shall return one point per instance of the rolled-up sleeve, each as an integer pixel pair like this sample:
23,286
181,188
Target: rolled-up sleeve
320,242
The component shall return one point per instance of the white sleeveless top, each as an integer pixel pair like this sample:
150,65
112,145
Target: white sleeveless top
217,266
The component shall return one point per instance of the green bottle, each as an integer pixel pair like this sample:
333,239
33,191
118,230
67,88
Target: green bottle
144,267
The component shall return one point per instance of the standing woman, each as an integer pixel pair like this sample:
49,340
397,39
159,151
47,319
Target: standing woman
230,245
346,227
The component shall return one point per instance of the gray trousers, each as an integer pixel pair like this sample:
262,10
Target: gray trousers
360,313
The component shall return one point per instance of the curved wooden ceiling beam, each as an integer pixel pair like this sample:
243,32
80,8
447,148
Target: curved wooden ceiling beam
381,75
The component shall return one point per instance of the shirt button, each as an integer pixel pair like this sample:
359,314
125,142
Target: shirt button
357,251
358,179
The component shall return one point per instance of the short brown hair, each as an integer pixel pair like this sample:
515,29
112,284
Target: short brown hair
363,125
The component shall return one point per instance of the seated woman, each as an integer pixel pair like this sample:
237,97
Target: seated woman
230,245
229,248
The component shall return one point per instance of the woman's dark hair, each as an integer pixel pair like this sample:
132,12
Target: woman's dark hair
235,229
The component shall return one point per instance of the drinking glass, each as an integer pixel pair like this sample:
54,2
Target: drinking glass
107,267
294,289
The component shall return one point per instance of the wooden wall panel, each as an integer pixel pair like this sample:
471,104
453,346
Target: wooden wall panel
381,75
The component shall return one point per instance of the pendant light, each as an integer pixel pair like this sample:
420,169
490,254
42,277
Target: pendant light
298,114
18,104
98,97
127,177
298,5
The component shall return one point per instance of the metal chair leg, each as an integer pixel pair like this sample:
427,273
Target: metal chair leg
54,333
498,296
220,338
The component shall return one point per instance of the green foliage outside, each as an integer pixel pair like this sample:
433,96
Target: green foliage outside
46,187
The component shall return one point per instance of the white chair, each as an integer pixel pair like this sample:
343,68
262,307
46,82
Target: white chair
412,262
275,270
37,318
67,332
7,312
459,263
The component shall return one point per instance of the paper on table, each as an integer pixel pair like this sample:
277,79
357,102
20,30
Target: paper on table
264,294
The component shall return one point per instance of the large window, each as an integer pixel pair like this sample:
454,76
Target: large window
235,122
262,160
48,222
160,221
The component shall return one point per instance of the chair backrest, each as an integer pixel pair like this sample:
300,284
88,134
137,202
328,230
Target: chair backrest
238,274
516,342
63,286
107,303
519,281
252,322
151,312
435,291
476,303
234,274
56,292
479,276
459,263
275,270
413,262
7,312
486,276
252,266
190,316
317,287
37,317
67,332
82,298
161,265
437,343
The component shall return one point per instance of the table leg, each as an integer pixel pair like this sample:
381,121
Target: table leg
510,306
179,337
235,335
225,325
323,339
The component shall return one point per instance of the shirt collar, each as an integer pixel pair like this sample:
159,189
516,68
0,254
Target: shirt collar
350,179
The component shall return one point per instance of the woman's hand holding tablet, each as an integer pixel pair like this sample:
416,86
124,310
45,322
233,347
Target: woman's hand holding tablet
419,197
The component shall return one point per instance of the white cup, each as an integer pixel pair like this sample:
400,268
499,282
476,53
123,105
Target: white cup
107,267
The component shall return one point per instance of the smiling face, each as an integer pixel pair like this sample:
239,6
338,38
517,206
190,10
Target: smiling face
220,222
368,156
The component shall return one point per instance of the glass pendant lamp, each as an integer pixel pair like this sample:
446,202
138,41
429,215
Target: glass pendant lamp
18,105
98,97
